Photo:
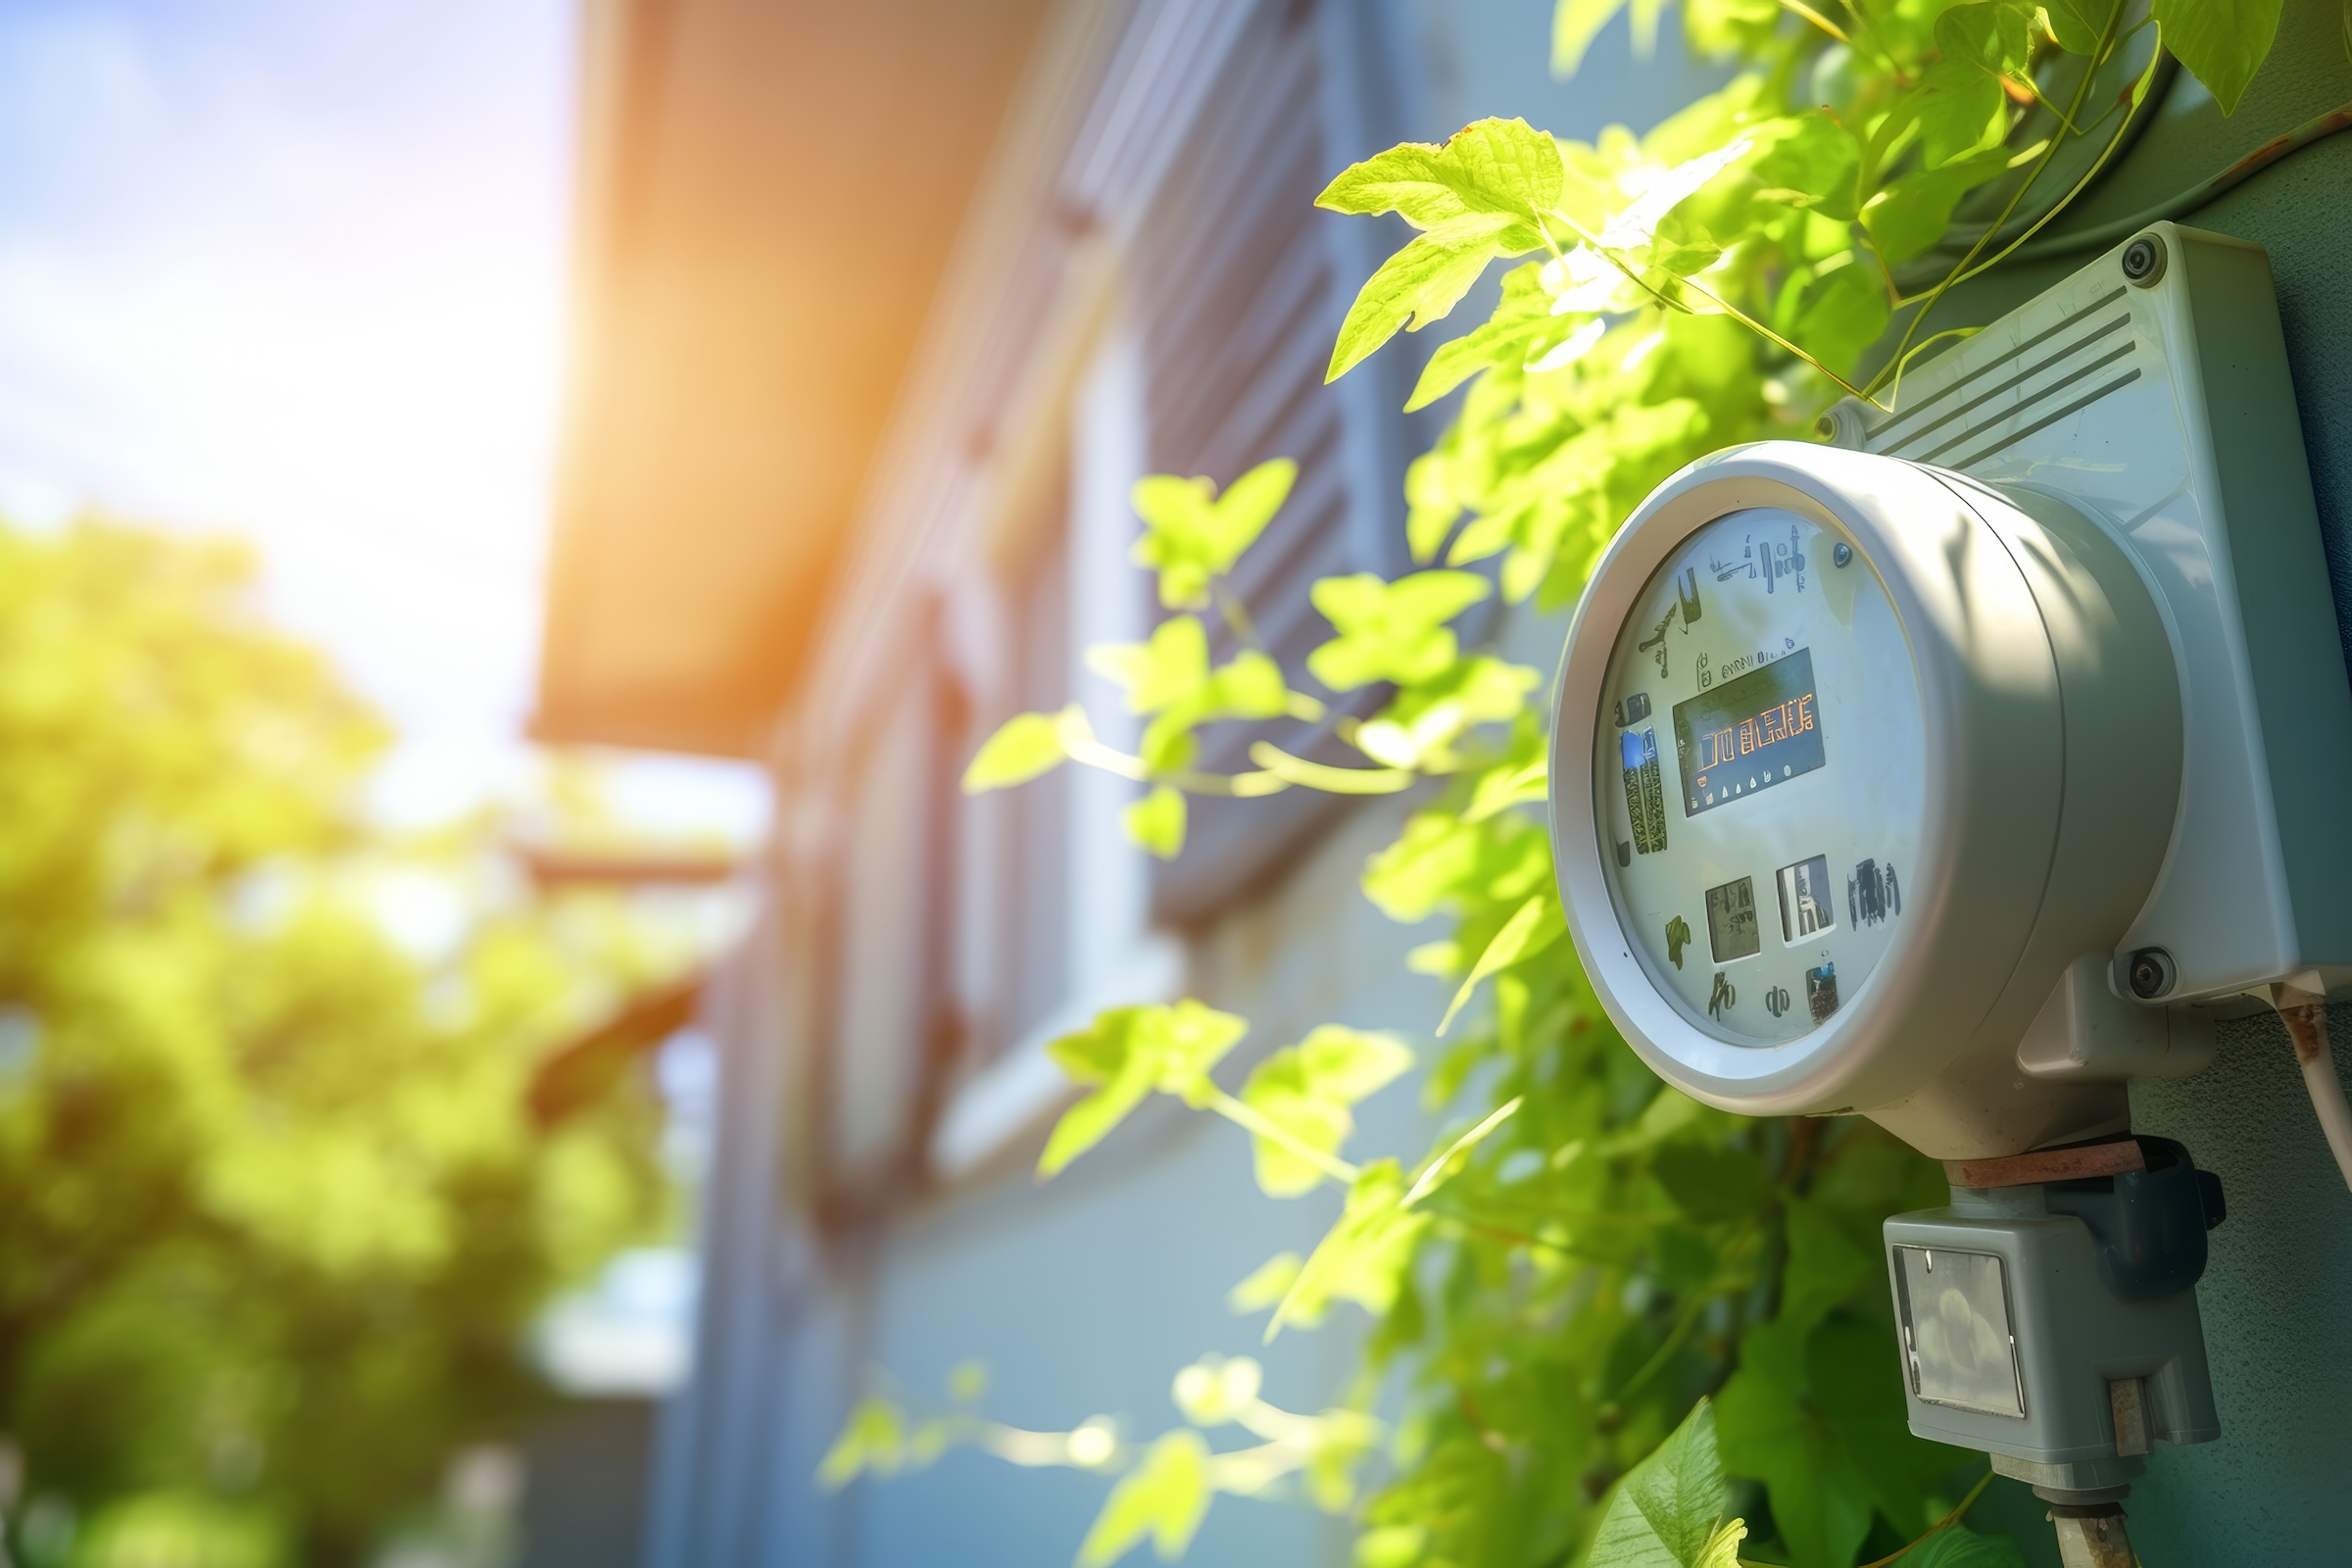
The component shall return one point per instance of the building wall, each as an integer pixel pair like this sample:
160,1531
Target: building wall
1083,1295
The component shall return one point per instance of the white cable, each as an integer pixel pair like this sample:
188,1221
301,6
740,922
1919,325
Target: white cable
2306,1018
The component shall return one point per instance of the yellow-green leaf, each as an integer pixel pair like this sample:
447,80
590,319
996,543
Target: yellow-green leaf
1025,746
1191,535
874,1438
1504,168
1309,1089
1537,925
1575,24
1126,1053
1157,822
1419,284
1393,631
1361,1258
1164,1497
1267,1284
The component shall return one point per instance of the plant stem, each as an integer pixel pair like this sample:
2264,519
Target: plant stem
1243,1114
1944,1523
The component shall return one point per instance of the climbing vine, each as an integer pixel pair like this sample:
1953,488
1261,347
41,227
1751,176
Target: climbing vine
1604,1296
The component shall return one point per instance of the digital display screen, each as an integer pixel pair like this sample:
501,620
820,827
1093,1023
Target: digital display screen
1732,928
1750,732
1808,900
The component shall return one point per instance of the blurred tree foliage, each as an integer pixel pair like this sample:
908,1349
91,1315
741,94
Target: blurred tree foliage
275,1215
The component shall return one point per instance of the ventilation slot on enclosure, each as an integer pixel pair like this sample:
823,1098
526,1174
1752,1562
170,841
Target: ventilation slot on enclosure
2056,374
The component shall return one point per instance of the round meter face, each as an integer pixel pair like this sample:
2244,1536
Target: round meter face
1759,772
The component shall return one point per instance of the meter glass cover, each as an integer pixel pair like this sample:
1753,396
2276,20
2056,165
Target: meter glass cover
1959,1346
1759,776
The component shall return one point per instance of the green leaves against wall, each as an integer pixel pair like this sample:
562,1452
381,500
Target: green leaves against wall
1636,1330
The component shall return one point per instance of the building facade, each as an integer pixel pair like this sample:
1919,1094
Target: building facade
885,308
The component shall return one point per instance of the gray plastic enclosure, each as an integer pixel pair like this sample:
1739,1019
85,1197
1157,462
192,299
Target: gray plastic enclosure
2012,1342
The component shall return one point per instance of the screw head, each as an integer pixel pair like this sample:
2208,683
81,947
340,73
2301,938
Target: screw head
2149,973
1843,553
2143,261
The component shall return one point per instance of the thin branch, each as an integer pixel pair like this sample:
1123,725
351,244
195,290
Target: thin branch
1944,1523
1966,267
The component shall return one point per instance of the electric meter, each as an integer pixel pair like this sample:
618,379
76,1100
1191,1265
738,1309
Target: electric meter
1943,774
1871,755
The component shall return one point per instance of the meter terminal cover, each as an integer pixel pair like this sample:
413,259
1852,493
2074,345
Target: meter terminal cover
2013,1345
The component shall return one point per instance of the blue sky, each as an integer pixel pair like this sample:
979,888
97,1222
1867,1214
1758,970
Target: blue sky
295,271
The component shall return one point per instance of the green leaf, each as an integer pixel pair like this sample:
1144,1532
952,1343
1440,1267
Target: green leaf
1421,727
1278,1091
1191,535
1165,1498
1960,108
1537,925
1351,1064
1363,1257
1958,1546
1911,214
1126,1053
1497,168
1026,746
1843,313
1430,504
1501,788
1392,631
2222,42
1169,671
1814,163
1521,324
2077,23
1157,822
1665,1512
874,1438
1437,853
1821,1499
1419,284
1711,1182
1456,1154
1634,224
1826,1268
1994,35
1309,1089
1266,1285
1720,26
1575,24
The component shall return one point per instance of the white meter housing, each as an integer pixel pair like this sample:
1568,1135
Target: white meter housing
1934,792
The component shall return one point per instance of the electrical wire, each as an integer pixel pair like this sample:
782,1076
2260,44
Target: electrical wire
2306,1018
2182,203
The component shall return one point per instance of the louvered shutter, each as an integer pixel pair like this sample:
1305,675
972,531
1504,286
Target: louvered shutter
1239,285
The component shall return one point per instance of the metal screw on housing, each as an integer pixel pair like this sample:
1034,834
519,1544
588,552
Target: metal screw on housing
2150,973
2143,261
1839,427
